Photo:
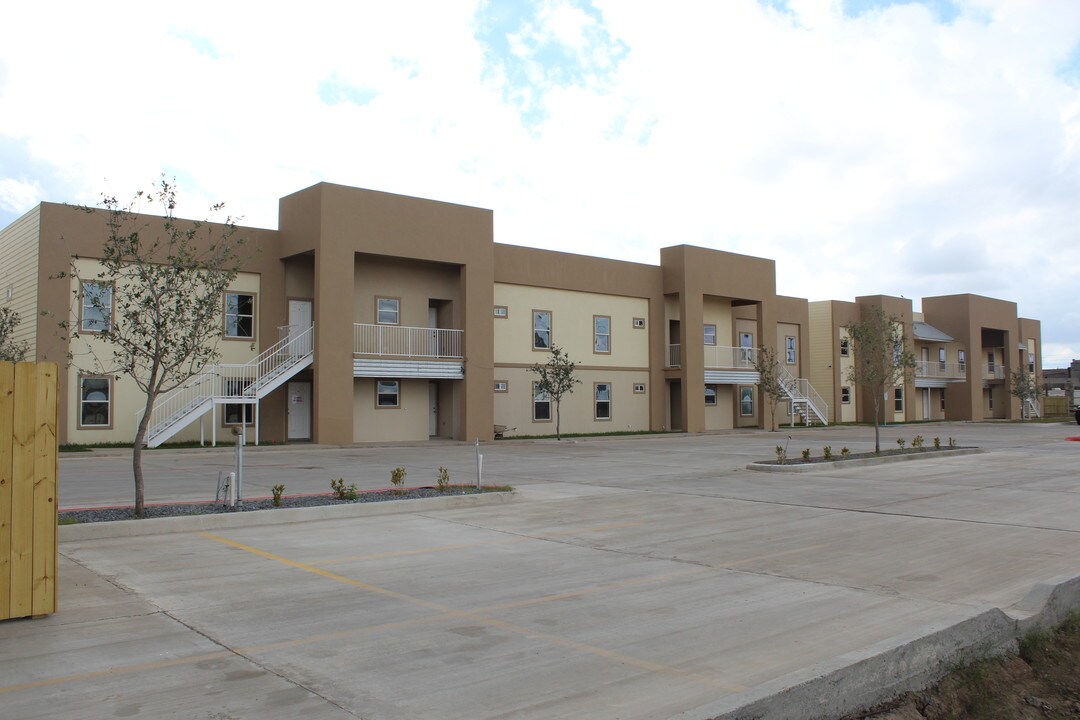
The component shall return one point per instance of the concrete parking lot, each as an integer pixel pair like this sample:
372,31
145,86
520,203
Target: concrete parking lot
648,577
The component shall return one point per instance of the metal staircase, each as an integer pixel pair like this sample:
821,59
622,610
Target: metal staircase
230,384
804,399
1030,408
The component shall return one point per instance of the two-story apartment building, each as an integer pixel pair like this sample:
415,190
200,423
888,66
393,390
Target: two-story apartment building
369,317
964,347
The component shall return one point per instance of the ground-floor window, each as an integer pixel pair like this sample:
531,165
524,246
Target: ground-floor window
238,413
746,401
95,402
541,404
602,401
942,401
710,394
845,395
898,399
387,393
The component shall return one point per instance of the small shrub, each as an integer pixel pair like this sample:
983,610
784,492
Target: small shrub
397,477
844,452
342,491
67,521
826,452
917,441
901,442
937,443
781,455
278,491
1036,643
442,479
806,454
952,443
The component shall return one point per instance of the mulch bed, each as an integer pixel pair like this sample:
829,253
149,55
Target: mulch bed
837,458
108,514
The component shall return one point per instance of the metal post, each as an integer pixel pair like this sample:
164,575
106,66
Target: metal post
479,464
239,467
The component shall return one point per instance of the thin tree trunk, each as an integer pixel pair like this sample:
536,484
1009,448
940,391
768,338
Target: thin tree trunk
558,434
877,431
136,454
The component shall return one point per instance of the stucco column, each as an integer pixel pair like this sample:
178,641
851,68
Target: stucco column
692,311
478,296
766,332
333,402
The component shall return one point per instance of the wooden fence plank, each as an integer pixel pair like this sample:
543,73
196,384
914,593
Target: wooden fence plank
45,468
7,389
22,490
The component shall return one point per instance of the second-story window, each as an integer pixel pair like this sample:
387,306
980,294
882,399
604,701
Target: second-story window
97,300
710,334
601,334
388,311
790,353
541,330
941,358
961,358
239,315
845,347
990,361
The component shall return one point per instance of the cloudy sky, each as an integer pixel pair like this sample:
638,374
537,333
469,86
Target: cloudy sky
868,146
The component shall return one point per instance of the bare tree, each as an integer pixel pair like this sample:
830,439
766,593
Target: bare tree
767,364
881,358
155,300
11,350
1023,385
556,379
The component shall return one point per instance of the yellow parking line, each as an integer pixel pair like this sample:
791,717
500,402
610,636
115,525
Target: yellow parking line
486,620
119,670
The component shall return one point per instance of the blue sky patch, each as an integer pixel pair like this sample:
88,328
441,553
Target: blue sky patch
1069,69
202,45
943,10
334,91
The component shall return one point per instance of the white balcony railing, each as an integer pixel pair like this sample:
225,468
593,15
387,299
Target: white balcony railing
674,356
932,369
993,372
410,342
720,356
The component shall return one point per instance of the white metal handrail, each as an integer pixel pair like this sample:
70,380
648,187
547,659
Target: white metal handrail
225,381
937,369
1031,407
997,372
800,391
722,356
674,356
407,341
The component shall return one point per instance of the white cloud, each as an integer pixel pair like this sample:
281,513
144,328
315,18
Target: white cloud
888,152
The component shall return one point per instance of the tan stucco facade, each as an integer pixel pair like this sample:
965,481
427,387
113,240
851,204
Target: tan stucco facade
658,347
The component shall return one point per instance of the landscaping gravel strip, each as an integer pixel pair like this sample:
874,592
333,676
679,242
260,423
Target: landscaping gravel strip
859,460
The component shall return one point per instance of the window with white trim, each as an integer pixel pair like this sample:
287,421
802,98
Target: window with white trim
710,395
95,402
639,388
502,386
710,334
845,395
541,329
387,393
239,315
237,413
961,357
746,400
387,311
601,334
97,307
845,347
791,354
941,358
898,399
501,311
541,404
602,401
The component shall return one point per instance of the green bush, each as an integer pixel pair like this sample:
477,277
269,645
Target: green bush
806,454
781,455
826,452
278,491
397,477
917,441
901,442
342,491
442,479
844,452
937,443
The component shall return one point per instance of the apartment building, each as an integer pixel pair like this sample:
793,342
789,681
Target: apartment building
369,317
965,346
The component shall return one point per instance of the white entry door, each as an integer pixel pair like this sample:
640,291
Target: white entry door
433,401
299,411
299,316
926,404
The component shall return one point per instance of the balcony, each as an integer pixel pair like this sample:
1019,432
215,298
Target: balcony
674,356
944,371
393,351
993,372
720,357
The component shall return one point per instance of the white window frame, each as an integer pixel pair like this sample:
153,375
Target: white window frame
108,402
389,388
541,334
743,389
845,347
106,309
791,352
709,332
598,336
961,358
710,396
597,402
639,323
502,312
639,388
502,386
845,395
898,399
391,310
247,410
233,311
540,398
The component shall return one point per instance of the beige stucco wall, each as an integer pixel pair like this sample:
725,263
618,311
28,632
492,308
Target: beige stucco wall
717,311
415,283
18,275
629,410
722,416
92,356
409,421
571,327
784,331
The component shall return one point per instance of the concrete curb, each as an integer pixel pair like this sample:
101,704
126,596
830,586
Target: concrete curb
855,681
861,462
220,521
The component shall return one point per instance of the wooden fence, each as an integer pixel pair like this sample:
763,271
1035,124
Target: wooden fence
28,470
1054,406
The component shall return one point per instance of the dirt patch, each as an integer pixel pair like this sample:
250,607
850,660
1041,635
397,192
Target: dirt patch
1042,681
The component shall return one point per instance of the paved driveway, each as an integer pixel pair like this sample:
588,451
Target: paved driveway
633,578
